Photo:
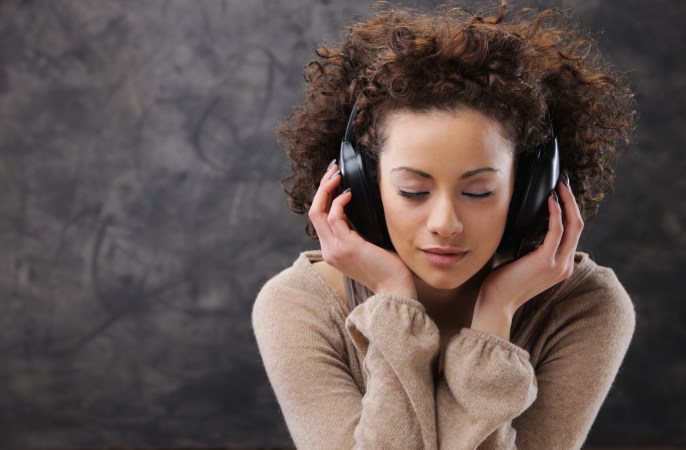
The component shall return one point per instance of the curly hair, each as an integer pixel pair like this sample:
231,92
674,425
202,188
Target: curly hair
512,70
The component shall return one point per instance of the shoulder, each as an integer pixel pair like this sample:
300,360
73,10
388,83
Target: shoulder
587,319
297,278
593,299
297,296
600,287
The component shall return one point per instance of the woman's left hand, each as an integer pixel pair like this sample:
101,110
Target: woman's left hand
512,284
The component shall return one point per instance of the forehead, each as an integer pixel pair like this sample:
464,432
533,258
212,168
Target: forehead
437,139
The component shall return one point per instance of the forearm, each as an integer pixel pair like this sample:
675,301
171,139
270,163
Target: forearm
397,343
487,383
307,363
387,418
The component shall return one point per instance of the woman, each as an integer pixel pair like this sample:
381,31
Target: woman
445,338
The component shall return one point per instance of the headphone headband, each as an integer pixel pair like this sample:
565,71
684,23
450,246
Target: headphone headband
536,176
351,119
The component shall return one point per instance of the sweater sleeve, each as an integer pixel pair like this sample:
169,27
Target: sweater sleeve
300,338
397,343
492,398
487,382
590,334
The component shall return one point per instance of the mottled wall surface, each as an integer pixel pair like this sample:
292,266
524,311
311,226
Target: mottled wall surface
140,213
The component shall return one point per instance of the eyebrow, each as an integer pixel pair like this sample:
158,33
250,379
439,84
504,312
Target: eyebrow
423,174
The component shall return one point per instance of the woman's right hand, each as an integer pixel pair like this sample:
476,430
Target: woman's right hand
378,269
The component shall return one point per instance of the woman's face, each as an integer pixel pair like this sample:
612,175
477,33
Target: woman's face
446,180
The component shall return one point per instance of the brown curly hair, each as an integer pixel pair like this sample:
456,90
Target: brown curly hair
512,70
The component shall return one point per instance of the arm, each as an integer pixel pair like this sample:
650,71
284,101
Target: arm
397,343
589,337
301,339
583,346
487,382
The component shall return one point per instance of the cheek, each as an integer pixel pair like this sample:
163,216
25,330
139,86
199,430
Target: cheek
402,217
405,219
502,209
397,211
485,222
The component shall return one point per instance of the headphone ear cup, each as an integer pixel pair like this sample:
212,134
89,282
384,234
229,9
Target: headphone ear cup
365,209
524,164
536,176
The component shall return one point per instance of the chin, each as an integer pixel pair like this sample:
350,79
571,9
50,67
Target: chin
448,278
442,279
443,283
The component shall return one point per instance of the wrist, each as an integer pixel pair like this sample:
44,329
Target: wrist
492,318
399,291
402,289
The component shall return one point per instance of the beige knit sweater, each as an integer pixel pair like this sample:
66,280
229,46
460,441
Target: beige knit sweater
363,379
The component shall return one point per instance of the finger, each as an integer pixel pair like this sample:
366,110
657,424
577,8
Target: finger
552,239
319,209
336,219
574,223
327,185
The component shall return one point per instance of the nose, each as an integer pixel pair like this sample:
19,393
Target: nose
443,219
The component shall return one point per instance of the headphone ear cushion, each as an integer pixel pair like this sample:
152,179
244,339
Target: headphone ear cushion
536,176
365,209
521,185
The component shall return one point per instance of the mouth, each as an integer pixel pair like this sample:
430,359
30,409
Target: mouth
443,256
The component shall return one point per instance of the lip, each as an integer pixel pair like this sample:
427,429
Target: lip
443,250
443,256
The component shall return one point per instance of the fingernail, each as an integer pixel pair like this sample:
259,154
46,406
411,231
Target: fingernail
346,191
565,178
553,194
333,161
334,174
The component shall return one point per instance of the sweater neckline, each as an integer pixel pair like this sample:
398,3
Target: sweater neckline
305,262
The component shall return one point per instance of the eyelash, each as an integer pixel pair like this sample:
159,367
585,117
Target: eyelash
416,195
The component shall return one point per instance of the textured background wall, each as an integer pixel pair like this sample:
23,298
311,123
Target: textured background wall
140,213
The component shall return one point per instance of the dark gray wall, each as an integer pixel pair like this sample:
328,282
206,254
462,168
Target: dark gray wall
140,213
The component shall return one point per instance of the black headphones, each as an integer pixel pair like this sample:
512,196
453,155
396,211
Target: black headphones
537,173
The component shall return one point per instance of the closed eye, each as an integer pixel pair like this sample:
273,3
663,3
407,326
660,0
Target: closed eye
411,194
484,195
